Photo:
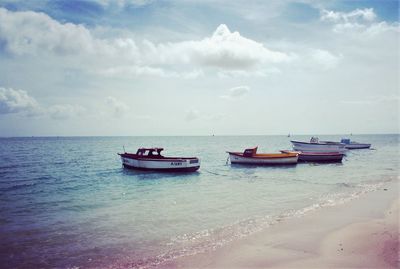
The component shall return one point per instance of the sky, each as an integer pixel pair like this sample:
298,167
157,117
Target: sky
186,67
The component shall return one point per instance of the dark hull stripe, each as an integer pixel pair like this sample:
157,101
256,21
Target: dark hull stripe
319,159
350,147
183,169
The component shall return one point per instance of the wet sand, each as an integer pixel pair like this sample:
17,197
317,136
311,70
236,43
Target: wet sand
362,233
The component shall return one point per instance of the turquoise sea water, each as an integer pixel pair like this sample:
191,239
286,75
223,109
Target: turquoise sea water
66,202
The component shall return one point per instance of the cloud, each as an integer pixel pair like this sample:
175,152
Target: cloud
123,3
135,71
117,107
325,58
373,100
19,102
362,21
358,15
16,101
65,111
249,73
224,50
36,33
236,92
192,115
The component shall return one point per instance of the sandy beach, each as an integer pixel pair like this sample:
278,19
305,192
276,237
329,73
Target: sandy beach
362,233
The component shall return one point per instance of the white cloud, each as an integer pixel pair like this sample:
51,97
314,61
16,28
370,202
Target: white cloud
65,111
117,107
358,15
123,3
18,101
236,92
325,58
362,21
192,114
224,49
15,101
373,100
36,33
135,71
252,73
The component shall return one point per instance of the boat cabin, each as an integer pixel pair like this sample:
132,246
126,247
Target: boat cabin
150,152
250,152
345,141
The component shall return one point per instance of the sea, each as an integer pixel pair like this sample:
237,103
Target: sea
67,202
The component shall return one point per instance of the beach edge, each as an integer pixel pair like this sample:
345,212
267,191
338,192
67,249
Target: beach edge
362,233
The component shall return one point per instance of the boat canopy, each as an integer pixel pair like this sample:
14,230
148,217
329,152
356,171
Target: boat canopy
149,151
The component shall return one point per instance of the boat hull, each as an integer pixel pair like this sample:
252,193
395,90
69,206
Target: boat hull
320,157
358,146
184,169
162,164
237,159
319,147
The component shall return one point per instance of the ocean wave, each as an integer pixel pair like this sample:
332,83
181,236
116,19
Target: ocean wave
212,239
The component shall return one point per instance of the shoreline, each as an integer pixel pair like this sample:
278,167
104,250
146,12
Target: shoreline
362,233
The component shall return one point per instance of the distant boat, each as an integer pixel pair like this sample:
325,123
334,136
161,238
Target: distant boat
250,156
318,156
151,159
354,145
318,146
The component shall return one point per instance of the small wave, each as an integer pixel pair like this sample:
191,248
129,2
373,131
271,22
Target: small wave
10,166
211,239
19,186
345,184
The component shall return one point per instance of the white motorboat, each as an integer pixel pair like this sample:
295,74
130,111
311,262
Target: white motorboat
151,159
318,146
354,145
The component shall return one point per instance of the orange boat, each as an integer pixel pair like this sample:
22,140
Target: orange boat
250,156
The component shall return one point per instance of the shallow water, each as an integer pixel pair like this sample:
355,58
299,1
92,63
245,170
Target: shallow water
67,202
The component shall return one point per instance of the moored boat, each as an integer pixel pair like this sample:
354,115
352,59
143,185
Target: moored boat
250,156
151,159
318,156
318,146
354,145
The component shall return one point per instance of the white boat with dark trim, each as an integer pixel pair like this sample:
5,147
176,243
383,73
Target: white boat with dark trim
354,145
318,146
250,156
151,159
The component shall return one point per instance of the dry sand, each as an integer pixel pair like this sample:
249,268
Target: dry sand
363,233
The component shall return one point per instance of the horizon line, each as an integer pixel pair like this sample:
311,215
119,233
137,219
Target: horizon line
208,135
